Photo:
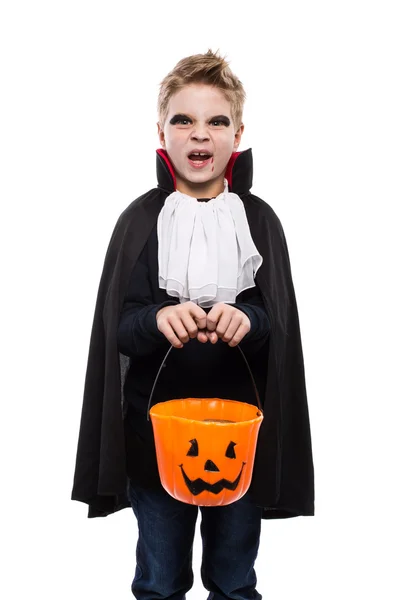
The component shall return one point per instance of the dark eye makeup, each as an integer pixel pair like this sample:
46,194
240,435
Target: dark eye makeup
221,119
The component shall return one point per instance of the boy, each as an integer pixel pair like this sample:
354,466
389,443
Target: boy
201,264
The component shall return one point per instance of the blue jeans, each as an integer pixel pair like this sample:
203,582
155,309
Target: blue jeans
166,527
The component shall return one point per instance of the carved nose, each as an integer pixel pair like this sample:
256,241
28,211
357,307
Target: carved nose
210,466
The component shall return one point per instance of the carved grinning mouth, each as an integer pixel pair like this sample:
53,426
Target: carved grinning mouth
199,485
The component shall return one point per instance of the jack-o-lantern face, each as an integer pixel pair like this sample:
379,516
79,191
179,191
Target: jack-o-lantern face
198,485
205,448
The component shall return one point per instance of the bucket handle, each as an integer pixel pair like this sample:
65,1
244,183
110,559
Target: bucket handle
165,358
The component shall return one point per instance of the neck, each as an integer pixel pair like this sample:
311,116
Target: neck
206,189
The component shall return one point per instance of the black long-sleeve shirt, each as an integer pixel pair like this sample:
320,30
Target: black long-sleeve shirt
196,370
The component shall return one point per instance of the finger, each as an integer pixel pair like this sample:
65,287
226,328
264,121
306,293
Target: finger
179,328
214,316
168,332
233,326
198,314
239,335
190,325
201,322
212,337
223,324
202,337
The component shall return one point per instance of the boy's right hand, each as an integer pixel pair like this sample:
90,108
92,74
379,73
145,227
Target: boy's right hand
181,322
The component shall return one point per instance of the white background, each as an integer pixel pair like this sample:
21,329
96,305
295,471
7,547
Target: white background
78,136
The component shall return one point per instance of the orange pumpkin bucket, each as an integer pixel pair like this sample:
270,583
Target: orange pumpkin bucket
205,446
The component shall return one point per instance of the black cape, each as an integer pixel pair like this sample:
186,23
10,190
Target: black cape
283,475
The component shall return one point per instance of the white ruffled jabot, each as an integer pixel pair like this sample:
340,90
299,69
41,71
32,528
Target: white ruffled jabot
205,250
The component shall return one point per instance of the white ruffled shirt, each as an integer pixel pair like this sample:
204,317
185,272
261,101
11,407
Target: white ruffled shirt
205,250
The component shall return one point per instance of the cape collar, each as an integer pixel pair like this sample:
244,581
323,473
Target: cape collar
239,172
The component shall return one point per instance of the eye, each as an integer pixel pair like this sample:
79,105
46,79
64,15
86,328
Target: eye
230,451
220,122
194,448
180,119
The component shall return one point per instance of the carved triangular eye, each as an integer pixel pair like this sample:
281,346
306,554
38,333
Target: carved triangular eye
230,451
194,448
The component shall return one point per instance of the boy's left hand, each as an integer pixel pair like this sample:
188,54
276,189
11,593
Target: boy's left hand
226,322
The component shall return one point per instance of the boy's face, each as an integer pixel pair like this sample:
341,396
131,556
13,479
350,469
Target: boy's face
199,118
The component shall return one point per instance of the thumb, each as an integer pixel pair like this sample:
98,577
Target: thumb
212,336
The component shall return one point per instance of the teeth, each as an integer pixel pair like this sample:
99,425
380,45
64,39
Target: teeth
200,153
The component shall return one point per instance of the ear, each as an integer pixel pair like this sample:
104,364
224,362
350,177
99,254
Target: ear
161,135
238,136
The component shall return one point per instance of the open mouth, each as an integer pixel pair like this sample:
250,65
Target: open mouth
199,160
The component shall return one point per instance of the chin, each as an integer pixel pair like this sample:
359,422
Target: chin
200,177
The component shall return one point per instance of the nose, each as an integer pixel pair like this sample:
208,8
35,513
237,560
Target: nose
200,133
210,466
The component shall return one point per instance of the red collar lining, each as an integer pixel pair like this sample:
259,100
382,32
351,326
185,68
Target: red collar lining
228,170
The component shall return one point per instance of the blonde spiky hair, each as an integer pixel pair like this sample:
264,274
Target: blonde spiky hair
206,68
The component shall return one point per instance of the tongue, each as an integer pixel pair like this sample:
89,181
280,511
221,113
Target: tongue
194,157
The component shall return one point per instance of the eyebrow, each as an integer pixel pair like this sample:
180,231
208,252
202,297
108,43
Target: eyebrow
183,116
